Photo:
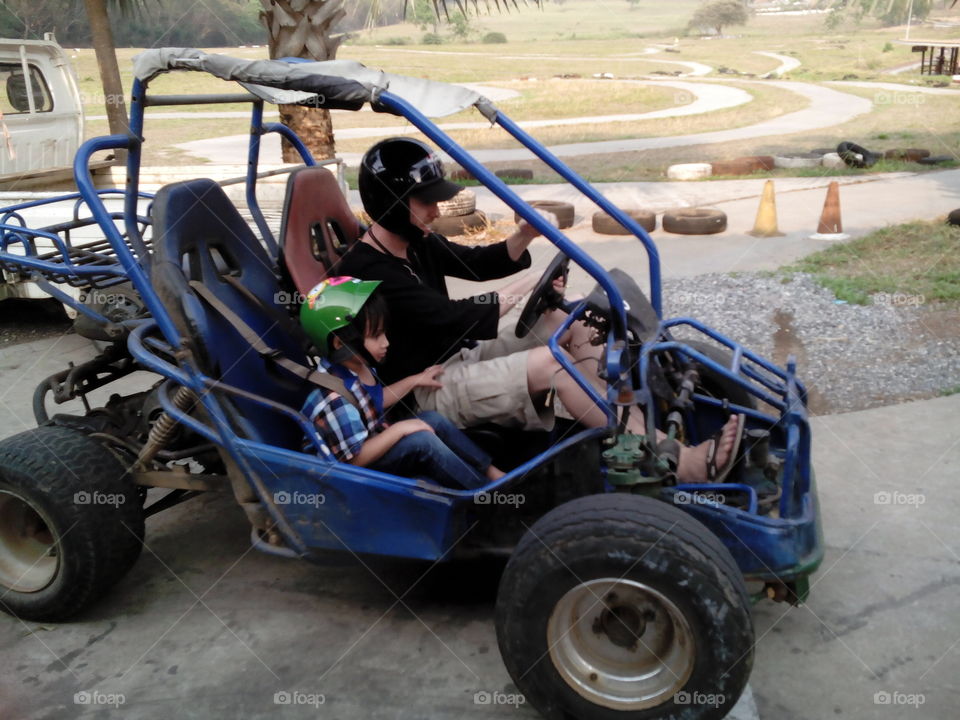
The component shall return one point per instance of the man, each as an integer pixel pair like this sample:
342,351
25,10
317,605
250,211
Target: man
490,375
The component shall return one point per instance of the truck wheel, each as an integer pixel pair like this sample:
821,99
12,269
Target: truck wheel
622,606
71,523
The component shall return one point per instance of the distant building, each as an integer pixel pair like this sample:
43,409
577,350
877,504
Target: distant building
940,57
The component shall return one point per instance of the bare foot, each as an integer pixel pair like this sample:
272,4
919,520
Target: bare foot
693,460
494,473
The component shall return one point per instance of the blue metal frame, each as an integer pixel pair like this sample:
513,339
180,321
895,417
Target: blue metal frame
417,519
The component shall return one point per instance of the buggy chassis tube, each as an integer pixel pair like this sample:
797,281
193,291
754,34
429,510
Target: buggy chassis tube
142,100
740,352
794,420
221,433
131,267
138,348
653,255
501,190
340,477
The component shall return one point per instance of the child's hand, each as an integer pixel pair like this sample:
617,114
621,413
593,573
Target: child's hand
408,427
428,378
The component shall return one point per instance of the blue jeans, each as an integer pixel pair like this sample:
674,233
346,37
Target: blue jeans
446,455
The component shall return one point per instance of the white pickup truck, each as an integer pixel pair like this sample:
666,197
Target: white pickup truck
41,127
42,113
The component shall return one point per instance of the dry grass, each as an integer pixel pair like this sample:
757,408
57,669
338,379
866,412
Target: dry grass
769,102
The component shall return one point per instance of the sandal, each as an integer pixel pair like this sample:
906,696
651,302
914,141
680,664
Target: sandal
719,474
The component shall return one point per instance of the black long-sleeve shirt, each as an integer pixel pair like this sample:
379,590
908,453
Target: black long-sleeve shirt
425,326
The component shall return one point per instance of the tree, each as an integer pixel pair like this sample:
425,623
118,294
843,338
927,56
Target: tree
889,12
106,53
719,13
306,29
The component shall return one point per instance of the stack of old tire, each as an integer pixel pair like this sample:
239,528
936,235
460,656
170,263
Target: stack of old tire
459,214
738,166
681,221
562,211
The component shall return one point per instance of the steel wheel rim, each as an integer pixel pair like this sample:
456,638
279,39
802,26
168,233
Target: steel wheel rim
29,560
621,644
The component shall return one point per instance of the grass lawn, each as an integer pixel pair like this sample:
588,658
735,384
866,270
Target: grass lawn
583,37
913,264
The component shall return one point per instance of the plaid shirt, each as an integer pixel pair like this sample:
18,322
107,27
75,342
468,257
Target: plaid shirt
340,428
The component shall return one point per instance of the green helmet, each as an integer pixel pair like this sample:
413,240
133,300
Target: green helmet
332,305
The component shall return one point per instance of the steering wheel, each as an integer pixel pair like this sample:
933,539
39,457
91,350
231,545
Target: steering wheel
543,297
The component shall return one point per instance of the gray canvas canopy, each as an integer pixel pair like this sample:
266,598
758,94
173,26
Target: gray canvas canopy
333,84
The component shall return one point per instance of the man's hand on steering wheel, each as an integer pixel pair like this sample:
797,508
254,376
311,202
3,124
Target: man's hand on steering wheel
547,294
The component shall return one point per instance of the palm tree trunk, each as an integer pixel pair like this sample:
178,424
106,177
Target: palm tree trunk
306,32
106,53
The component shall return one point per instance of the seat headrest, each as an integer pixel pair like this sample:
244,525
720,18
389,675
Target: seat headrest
317,226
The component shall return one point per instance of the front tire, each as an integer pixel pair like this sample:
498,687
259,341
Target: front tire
71,523
621,606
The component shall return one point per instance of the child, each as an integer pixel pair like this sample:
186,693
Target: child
345,319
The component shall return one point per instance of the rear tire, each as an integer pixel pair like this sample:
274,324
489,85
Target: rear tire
71,523
622,606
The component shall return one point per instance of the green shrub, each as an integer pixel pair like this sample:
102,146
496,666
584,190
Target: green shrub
397,41
494,38
888,47
432,39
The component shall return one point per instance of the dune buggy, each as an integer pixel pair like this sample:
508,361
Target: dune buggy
625,593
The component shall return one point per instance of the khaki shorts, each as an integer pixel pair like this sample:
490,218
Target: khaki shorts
488,383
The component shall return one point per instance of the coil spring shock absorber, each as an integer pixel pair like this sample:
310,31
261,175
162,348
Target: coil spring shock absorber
164,428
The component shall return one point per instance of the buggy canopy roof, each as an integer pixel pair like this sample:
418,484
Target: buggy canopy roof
333,84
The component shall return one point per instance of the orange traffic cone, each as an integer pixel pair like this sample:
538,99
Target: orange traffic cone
831,227
766,222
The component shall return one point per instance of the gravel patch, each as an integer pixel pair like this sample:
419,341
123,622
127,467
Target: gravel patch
851,357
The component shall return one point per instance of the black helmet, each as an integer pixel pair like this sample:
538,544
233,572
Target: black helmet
391,172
